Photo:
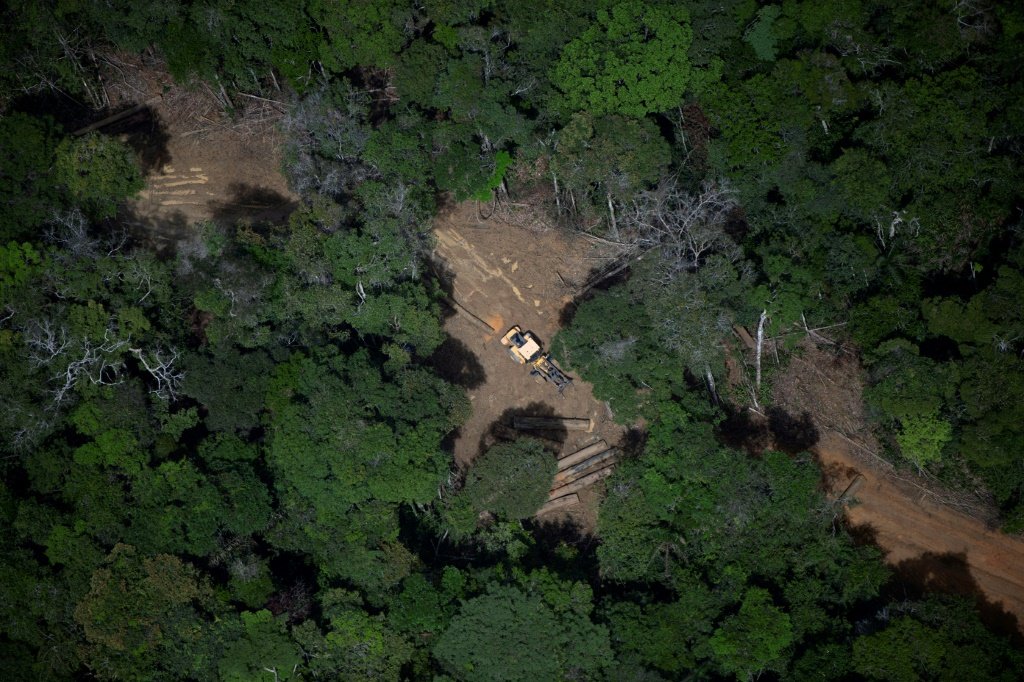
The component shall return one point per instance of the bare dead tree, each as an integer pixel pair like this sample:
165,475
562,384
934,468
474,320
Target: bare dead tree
757,358
74,359
160,365
898,223
685,228
70,231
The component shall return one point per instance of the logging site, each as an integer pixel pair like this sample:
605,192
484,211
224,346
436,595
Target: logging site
499,275
494,341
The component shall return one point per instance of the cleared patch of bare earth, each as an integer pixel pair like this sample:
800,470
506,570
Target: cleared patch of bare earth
933,538
199,163
513,270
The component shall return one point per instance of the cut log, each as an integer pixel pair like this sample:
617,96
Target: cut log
117,117
559,503
580,484
851,490
598,461
580,455
744,335
552,424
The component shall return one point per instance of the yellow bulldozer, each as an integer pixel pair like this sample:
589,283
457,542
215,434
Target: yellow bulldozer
524,349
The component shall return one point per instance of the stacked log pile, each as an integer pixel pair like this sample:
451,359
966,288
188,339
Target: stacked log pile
579,470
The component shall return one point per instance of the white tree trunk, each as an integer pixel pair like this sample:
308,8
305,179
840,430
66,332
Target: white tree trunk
558,200
711,383
757,358
611,211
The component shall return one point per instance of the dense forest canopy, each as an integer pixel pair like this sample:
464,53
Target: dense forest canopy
231,463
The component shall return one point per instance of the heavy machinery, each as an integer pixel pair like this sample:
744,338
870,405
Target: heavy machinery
525,350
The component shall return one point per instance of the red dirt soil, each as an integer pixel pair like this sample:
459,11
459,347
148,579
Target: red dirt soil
926,541
933,537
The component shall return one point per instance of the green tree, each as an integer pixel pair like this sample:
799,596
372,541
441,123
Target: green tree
139,617
356,646
510,480
938,638
508,634
754,639
262,646
27,153
98,171
632,61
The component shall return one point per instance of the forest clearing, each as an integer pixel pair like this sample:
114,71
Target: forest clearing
513,274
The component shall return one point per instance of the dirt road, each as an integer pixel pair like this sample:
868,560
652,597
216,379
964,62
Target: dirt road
932,538
927,542
508,274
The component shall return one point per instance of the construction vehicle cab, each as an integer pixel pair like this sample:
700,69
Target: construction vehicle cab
524,349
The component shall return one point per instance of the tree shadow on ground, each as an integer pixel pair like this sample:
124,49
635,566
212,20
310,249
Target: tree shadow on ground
556,533
443,276
746,430
502,429
792,434
145,132
598,279
252,204
949,573
457,364
941,573
158,235
440,273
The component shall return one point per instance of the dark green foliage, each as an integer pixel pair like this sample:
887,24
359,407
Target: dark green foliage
27,152
139,616
231,463
263,644
940,638
510,480
509,634
631,61
98,172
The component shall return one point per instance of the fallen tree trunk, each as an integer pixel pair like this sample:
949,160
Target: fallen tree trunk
580,455
851,490
580,484
559,503
552,424
597,461
468,314
117,117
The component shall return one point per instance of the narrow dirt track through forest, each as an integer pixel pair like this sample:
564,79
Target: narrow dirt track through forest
928,543
932,537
